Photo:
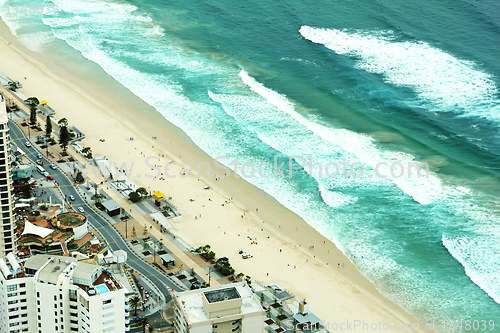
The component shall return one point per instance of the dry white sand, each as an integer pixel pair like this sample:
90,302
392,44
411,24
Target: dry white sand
281,255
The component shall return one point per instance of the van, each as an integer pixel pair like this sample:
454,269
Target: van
40,169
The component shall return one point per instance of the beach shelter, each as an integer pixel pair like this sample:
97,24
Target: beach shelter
44,103
158,195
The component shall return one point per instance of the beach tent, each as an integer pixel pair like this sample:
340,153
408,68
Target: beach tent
44,103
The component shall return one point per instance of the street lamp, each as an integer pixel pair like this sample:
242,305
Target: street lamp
209,276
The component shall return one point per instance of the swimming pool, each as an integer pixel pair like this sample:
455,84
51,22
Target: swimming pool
102,288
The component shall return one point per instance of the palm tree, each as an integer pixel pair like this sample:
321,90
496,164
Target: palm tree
63,122
134,301
98,197
144,322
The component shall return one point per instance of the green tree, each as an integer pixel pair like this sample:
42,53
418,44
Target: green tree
87,151
32,114
134,233
79,177
26,190
134,197
98,197
248,280
48,127
145,246
240,276
262,299
281,310
223,266
160,245
134,302
145,323
13,85
268,313
192,273
142,191
63,122
145,231
32,101
64,138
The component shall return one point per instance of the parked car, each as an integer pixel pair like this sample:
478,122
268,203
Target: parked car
50,178
53,166
40,162
28,144
39,155
80,209
247,255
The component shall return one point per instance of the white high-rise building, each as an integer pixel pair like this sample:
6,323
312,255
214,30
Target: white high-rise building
230,308
59,294
7,230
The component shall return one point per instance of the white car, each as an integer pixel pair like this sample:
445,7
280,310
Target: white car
53,166
80,209
28,144
72,198
247,255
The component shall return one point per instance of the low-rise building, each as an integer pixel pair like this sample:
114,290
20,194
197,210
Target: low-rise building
230,308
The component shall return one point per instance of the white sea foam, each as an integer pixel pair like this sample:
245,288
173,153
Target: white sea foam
479,257
451,84
357,147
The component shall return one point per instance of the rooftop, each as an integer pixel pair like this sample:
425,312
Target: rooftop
191,301
111,205
52,270
222,295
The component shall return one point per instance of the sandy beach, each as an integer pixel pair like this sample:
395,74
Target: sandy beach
232,214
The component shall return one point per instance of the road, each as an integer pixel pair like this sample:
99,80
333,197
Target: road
112,237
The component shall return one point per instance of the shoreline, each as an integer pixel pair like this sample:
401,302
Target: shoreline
83,102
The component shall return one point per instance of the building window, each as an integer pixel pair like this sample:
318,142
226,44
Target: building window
12,287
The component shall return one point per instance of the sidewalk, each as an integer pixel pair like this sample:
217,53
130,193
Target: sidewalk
159,236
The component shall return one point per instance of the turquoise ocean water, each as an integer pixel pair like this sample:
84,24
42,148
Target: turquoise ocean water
366,81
